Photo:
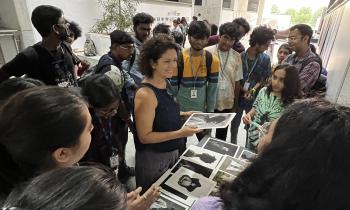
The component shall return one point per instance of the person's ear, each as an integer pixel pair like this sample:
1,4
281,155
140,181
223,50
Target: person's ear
62,156
153,64
113,46
54,29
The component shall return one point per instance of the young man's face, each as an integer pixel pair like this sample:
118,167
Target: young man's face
226,42
296,41
61,28
242,32
142,31
198,43
123,51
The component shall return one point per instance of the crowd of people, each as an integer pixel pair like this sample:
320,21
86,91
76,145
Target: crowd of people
63,131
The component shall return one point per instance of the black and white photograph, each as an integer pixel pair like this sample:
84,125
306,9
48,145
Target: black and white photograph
232,165
165,202
209,120
206,172
190,183
248,155
202,156
220,178
221,147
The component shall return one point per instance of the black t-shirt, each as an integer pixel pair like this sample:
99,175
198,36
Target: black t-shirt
53,68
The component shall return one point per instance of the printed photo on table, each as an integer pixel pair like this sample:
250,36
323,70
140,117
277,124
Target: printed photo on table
232,165
221,147
202,156
220,178
165,202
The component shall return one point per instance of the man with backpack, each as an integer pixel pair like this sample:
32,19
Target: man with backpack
307,62
195,81
49,60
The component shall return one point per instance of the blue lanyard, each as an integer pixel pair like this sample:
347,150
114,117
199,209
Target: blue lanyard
246,63
107,133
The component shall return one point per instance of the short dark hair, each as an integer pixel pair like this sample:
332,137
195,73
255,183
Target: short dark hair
120,37
34,123
195,18
10,87
161,28
213,29
230,29
83,187
261,35
199,30
292,89
152,50
308,149
142,18
304,30
242,22
75,29
178,37
100,91
44,17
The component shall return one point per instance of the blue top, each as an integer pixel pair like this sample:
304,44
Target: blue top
167,118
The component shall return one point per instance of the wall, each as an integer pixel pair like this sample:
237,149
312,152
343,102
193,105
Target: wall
84,12
165,12
339,58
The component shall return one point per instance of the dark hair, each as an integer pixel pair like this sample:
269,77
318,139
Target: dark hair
44,17
178,37
12,86
313,48
291,90
242,22
161,28
176,21
306,166
152,50
120,37
213,29
261,35
100,90
230,29
183,20
199,30
34,123
285,46
195,18
142,17
83,187
304,30
75,29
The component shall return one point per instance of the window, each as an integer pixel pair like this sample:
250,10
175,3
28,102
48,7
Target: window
198,2
226,4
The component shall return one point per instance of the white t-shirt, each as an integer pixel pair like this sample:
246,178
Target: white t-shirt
230,72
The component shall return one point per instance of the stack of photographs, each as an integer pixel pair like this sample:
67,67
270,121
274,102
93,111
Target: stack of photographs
199,172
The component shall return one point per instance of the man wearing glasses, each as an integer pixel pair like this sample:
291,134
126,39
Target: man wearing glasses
49,60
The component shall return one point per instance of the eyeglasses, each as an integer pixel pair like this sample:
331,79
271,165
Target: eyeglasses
107,112
127,47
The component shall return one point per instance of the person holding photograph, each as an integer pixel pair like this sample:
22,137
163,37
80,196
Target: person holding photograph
271,101
306,166
159,135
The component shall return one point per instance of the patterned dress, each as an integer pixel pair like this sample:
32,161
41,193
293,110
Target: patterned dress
268,108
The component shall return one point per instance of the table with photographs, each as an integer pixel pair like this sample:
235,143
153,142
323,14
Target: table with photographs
199,172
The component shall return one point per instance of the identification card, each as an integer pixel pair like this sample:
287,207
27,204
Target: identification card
114,161
246,86
194,93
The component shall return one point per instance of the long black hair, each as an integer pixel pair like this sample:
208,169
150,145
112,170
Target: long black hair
33,124
305,167
83,187
291,90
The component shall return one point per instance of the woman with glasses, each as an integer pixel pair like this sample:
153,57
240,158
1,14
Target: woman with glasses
159,135
106,108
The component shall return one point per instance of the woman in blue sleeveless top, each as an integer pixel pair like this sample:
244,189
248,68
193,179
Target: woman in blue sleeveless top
159,135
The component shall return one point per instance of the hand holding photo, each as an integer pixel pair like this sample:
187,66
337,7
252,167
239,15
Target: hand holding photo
209,120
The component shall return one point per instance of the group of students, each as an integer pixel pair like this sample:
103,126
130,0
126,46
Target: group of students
45,130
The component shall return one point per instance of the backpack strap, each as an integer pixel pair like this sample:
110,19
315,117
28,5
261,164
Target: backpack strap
208,62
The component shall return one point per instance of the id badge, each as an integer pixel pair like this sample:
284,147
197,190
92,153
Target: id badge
246,86
114,161
193,93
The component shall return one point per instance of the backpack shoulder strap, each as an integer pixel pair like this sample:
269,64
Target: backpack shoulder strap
208,61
